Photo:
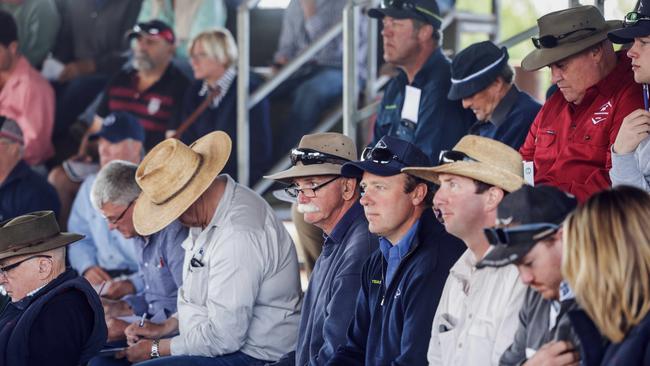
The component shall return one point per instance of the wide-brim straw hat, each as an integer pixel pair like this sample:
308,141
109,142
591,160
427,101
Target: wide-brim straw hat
35,232
330,143
173,175
563,22
496,164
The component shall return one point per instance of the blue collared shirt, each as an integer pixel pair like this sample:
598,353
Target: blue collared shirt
395,253
160,258
24,191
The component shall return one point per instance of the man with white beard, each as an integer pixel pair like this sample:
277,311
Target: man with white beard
330,202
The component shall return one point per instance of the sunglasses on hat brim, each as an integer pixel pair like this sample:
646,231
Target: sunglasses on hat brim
407,5
551,41
379,155
634,17
453,156
527,233
311,157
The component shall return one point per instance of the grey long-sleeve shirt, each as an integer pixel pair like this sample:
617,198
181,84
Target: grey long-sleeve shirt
632,169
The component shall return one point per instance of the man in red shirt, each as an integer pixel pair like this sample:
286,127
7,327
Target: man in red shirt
569,141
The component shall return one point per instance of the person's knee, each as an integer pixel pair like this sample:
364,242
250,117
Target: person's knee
61,182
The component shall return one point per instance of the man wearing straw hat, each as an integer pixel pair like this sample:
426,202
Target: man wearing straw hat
55,317
240,299
569,141
631,150
483,80
330,202
402,282
477,316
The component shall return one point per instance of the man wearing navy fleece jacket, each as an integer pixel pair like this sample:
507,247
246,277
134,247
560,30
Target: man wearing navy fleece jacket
401,283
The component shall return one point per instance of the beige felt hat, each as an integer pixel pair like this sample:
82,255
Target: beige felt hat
173,175
494,163
579,28
331,143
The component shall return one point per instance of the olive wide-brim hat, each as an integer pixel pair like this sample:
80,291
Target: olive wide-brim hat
575,29
35,232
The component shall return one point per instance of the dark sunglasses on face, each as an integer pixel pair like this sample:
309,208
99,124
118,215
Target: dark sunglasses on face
527,233
9,267
293,190
551,41
407,5
310,157
452,156
634,17
379,155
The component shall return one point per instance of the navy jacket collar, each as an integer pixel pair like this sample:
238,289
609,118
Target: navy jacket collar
341,228
19,171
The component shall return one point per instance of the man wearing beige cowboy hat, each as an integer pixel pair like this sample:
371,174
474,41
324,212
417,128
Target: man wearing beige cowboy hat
569,141
55,317
330,202
240,299
476,319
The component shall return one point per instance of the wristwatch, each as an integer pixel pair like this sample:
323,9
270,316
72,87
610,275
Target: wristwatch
154,348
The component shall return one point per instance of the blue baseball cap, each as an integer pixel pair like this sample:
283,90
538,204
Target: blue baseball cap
636,24
386,158
119,126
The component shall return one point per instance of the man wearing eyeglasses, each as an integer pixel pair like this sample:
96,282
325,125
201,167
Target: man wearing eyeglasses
529,235
415,107
330,202
159,256
476,318
402,282
631,150
569,141
55,317
104,254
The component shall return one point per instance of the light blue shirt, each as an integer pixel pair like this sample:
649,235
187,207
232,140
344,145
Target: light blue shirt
395,253
101,246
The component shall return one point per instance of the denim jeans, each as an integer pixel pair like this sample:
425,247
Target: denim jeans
232,359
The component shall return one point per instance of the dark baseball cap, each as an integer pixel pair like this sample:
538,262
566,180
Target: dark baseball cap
156,28
386,158
524,217
475,68
635,24
10,130
8,29
119,126
424,10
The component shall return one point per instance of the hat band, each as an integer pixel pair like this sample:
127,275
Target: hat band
480,72
16,247
187,183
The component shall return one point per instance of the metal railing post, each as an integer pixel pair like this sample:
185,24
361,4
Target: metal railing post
372,49
243,127
350,77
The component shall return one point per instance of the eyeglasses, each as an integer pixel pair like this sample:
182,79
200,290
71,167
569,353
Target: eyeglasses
634,17
293,190
311,157
7,268
407,5
550,41
379,155
453,156
115,221
527,233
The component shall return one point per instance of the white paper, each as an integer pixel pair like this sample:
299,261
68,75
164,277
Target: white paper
411,107
130,318
529,173
52,68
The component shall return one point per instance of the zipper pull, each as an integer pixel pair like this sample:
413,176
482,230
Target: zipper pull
382,301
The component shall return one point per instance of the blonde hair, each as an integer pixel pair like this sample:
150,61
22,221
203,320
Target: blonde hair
606,259
218,43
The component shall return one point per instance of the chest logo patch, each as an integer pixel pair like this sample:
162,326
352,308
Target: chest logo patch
154,105
397,293
602,113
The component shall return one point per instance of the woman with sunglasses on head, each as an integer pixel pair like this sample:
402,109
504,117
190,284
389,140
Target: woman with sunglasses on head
631,150
212,101
608,268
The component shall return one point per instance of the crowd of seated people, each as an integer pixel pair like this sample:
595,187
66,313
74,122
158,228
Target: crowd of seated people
478,227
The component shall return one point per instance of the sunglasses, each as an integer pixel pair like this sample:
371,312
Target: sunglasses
310,192
311,157
407,5
550,41
379,155
527,233
7,268
634,17
452,156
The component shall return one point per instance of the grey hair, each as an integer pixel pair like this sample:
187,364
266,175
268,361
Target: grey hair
116,184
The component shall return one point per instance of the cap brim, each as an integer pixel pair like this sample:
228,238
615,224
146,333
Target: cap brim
627,34
149,217
543,57
298,171
503,255
355,169
283,196
380,13
488,174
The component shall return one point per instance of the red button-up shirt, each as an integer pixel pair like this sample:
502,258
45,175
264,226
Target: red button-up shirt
570,144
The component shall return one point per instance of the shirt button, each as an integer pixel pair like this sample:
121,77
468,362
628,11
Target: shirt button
147,287
460,345
146,264
470,316
150,306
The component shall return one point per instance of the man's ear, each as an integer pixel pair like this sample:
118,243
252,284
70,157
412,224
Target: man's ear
349,188
493,197
419,194
44,268
425,33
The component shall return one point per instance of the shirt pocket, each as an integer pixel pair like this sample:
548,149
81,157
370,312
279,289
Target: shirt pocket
195,285
480,339
447,345
545,139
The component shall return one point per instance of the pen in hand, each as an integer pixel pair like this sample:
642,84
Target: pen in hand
144,316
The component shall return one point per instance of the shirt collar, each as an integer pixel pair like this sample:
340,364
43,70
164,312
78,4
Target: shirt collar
505,105
224,82
403,245
19,171
337,234
427,71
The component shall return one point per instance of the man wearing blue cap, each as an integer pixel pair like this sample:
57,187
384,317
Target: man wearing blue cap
401,283
415,107
631,150
104,254
483,80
